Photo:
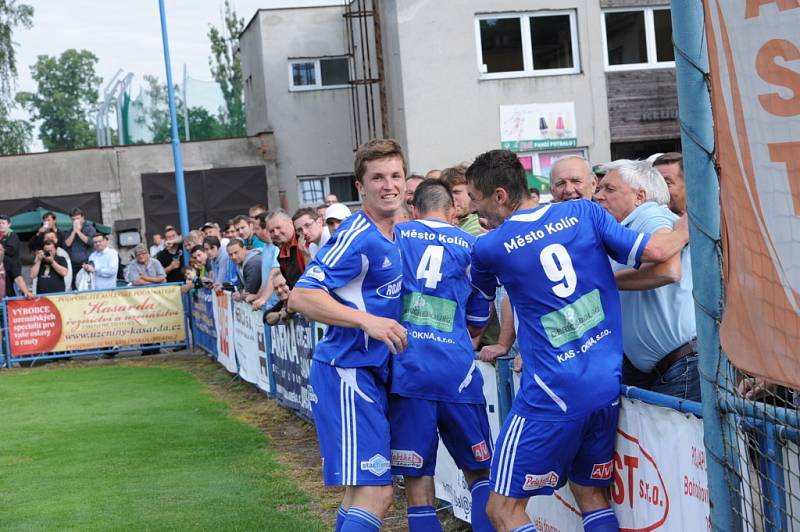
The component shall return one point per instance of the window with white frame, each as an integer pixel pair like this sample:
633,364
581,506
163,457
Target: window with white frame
527,44
319,73
311,190
638,38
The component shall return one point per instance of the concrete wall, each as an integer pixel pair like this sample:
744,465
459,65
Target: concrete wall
442,108
115,172
312,129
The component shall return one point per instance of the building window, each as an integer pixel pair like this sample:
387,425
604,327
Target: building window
311,191
322,73
527,44
638,38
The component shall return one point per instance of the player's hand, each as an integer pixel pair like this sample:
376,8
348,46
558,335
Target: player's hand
518,363
752,388
387,331
490,353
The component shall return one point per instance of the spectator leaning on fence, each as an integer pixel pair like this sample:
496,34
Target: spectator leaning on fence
436,387
571,177
79,241
269,265
248,268
658,327
553,262
103,263
311,226
144,269
49,270
171,257
244,231
354,285
11,276
291,257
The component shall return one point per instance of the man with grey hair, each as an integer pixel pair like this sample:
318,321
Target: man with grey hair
291,258
571,177
659,332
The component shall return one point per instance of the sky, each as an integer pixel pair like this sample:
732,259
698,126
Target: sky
125,34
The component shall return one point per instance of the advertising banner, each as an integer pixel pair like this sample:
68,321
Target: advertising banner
291,360
753,50
96,320
205,332
658,483
223,316
538,126
250,344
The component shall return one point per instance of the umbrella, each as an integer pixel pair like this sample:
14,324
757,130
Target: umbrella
31,221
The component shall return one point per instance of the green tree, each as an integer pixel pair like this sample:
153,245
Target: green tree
226,67
66,95
154,114
15,135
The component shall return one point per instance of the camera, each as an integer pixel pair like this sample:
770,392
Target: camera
229,287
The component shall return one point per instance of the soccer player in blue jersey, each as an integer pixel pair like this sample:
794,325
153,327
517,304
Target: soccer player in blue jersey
354,285
553,262
435,381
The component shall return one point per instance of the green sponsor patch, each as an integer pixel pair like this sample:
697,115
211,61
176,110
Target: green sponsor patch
572,321
421,309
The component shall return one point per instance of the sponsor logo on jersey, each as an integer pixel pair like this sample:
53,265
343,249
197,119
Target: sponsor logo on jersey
377,465
386,263
315,272
534,482
603,471
481,451
406,458
392,289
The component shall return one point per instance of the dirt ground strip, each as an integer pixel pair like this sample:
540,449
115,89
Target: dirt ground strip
293,439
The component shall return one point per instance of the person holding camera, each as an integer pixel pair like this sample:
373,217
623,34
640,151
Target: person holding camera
49,270
48,226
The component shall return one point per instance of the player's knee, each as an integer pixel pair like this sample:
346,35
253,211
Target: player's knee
500,510
384,496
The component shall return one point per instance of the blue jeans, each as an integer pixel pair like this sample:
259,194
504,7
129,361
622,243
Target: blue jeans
680,380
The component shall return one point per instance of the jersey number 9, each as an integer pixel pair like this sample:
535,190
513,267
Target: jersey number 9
558,268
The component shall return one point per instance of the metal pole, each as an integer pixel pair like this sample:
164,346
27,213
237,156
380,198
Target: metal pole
180,186
702,190
185,107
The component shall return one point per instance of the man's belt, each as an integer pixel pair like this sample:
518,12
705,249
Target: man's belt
683,351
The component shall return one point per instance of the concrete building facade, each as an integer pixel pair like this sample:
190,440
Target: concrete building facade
541,77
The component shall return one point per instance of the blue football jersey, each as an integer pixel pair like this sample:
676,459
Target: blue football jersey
362,269
553,262
438,304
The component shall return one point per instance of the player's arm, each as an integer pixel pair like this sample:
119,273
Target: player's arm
662,246
651,275
316,304
506,337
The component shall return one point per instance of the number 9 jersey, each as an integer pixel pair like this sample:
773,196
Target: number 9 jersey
553,262
438,304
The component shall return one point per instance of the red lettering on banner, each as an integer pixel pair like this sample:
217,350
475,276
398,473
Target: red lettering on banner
787,153
101,307
779,75
754,6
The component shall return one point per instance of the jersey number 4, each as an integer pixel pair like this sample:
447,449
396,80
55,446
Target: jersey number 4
430,266
558,268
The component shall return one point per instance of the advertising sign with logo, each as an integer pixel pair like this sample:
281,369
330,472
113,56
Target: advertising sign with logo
753,50
223,316
205,333
538,126
292,348
95,320
250,344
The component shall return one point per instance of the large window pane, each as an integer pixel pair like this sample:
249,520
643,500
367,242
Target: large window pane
311,192
344,187
501,43
625,38
662,23
303,74
551,40
335,71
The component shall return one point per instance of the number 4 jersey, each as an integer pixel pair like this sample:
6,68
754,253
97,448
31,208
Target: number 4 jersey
553,261
438,304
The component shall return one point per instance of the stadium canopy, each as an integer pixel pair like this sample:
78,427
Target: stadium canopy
31,221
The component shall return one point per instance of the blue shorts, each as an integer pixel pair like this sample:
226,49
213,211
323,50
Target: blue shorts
535,457
464,429
350,414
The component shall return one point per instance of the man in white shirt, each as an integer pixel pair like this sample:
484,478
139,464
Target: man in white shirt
103,262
